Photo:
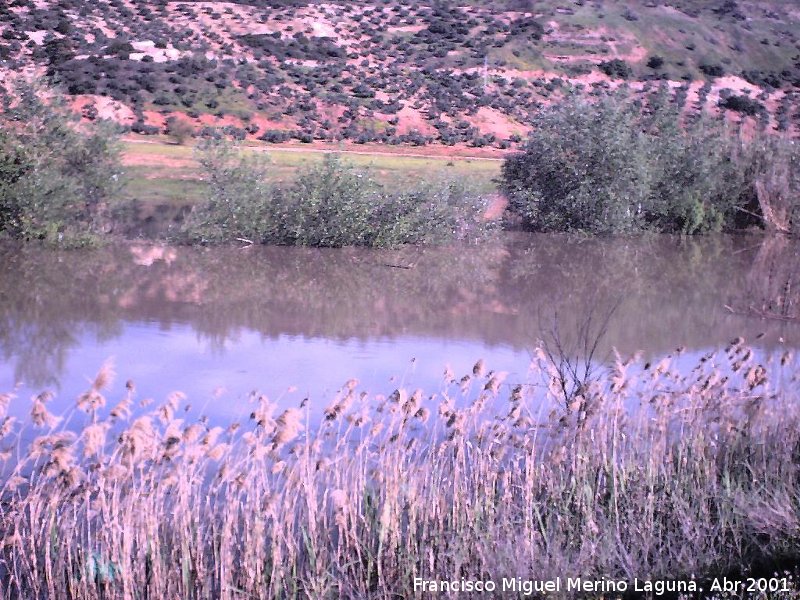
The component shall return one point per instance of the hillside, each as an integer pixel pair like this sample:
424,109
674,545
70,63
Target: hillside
400,72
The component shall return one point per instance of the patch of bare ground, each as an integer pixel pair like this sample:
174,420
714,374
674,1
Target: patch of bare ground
107,108
497,206
616,45
412,119
490,120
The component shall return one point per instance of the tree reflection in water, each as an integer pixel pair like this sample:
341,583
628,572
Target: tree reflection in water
673,292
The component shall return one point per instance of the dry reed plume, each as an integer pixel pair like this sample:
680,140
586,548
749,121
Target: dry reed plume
647,471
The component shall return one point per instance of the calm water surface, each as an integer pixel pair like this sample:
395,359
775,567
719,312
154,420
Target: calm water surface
219,323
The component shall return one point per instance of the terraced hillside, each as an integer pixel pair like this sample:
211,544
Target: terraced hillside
400,72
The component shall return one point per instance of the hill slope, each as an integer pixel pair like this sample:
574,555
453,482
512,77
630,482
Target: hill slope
399,72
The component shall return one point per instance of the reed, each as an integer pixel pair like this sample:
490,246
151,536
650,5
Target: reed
649,471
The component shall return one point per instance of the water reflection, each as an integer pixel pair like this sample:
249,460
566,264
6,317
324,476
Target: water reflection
260,317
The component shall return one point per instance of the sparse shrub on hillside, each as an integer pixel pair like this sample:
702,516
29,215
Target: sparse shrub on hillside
616,68
234,133
742,104
143,128
179,129
275,136
712,70
766,79
55,178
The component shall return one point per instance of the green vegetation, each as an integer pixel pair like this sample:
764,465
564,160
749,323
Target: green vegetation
328,204
55,178
157,162
616,69
743,104
370,61
179,130
666,475
610,167
772,164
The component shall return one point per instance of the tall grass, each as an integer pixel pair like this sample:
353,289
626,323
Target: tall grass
648,471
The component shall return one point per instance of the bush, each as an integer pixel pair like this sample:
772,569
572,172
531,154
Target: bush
143,128
616,68
54,177
275,136
239,200
743,104
179,130
606,168
772,164
328,204
431,213
712,70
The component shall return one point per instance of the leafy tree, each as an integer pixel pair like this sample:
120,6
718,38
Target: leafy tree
55,176
584,169
179,130
608,168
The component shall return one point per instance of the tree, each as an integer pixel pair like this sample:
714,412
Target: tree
55,176
583,169
179,130
610,167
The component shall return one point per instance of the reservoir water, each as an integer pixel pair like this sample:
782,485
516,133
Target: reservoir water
221,323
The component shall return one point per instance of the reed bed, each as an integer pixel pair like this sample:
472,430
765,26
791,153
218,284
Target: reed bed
647,470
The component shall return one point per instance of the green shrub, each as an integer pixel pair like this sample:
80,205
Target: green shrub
712,69
239,204
616,68
328,204
431,213
743,104
55,177
771,163
697,184
584,169
180,130
608,168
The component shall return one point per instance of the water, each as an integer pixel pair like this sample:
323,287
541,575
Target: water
220,323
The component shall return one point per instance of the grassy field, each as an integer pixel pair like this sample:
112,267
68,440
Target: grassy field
162,172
